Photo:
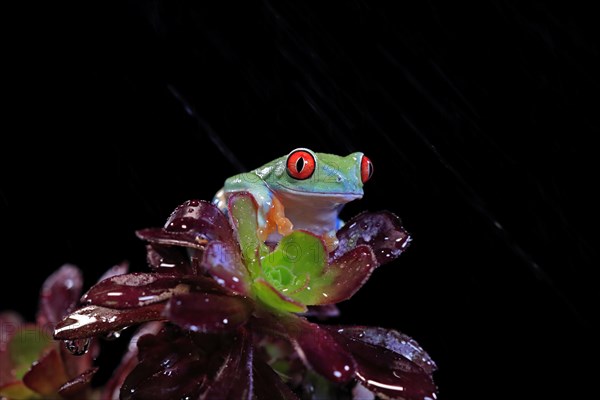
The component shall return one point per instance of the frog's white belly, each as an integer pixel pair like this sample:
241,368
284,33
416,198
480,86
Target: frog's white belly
316,213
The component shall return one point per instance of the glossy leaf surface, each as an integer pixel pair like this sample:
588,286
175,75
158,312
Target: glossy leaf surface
382,231
207,313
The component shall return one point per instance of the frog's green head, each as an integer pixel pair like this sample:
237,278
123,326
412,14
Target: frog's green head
303,172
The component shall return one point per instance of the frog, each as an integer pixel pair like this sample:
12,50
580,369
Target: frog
302,190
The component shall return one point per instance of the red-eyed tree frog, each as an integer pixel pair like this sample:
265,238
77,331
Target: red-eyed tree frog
302,190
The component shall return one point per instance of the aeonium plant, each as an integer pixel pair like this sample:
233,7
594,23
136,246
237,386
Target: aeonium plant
233,314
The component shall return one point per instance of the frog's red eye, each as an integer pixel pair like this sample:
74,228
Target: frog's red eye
366,169
300,164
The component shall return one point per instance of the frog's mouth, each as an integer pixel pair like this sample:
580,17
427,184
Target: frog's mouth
340,196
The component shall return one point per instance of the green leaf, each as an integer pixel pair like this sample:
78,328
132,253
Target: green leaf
243,211
297,261
27,346
302,253
273,298
315,292
341,279
18,391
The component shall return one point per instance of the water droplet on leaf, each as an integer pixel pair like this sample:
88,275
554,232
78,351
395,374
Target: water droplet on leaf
78,347
180,224
113,335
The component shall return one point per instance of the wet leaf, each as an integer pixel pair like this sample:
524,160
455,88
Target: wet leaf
268,385
94,320
319,349
382,231
139,289
242,210
223,263
128,362
272,297
322,312
234,379
173,364
169,259
208,313
343,277
301,252
388,373
297,261
392,340
180,381
193,224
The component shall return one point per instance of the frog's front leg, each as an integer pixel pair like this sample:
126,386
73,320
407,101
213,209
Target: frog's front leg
270,213
275,220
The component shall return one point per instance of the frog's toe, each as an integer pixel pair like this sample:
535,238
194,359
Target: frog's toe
284,226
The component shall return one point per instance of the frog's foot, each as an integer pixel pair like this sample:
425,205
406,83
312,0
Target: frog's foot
331,241
275,221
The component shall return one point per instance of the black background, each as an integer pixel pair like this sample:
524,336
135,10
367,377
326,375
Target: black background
479,120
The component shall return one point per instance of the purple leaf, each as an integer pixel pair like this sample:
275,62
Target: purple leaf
119,269
344,276
382,231
388,373
128,362
180,381
319,349
139,289
224,264
112,389
169,260
392,340
192,224
46,375
76,388
208,313
234,379
94,320
59,294
322,312
173,364
268,385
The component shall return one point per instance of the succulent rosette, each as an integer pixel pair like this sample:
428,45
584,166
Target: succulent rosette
233,313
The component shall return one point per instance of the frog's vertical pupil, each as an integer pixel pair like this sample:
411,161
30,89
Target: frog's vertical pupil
300,164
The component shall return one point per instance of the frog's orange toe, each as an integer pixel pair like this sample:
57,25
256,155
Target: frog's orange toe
276,216
275,221
284,226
